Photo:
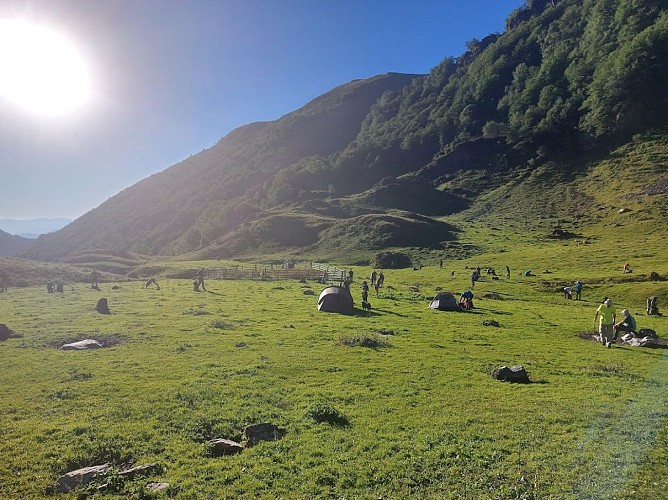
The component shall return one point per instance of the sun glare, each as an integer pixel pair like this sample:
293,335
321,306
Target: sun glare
40,70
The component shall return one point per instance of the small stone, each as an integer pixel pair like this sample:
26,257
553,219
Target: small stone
220,446
156,487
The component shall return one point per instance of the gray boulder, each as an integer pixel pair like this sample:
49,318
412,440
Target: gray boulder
102,306
220,446
516,374
72,479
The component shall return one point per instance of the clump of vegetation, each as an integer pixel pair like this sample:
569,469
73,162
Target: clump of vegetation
196,311
325,413
222,325
372,341
392,260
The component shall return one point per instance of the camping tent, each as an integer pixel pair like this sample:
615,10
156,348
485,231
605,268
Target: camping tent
336,299
445,301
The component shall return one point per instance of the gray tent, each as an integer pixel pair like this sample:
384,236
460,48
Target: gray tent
445,301
335,299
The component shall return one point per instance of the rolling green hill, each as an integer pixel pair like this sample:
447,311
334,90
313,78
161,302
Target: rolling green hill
521,115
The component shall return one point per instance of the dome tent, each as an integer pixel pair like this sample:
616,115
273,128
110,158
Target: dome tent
445,301
336,299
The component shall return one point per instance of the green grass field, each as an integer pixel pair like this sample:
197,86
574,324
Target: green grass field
424,417
399,403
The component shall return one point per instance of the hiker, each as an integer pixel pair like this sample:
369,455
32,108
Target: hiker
608,315
475,276
381,278
507,273
196,285
150,282
377,286
50,287
627,324
466,300
200,278
652,308
350,275
440,264
365,291
93,279
568,292
374,274
578,290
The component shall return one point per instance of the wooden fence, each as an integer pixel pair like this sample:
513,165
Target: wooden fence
316,271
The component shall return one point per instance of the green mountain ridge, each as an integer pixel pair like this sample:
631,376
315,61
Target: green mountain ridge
385,161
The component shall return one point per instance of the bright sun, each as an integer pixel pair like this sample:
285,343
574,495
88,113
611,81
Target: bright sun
40,70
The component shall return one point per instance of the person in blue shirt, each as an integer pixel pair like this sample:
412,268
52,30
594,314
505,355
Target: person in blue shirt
627,324
466,300
578,290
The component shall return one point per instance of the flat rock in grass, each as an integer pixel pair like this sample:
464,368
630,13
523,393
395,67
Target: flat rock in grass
156,487
262,432
490,322
139,470
82,345
72,479
220,446
516,374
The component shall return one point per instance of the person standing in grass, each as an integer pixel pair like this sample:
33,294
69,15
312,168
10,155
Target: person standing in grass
200,278
507,273
608,315
578,290
93,279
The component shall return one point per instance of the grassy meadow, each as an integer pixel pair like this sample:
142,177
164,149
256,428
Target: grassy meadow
419,414
393,404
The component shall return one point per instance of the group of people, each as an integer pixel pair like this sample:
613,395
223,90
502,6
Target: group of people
608,328
377,280
577,288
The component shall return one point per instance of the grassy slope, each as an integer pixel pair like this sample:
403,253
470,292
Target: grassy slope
426,419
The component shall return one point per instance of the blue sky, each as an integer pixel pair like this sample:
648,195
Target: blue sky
171,77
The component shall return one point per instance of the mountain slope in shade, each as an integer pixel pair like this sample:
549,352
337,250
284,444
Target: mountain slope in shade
11,245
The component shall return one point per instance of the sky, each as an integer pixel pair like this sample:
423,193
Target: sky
167,79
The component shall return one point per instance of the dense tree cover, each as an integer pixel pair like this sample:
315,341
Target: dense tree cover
564,74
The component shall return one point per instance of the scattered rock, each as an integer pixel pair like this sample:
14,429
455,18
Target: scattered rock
240,344
72,479
82,345
102,306
6,333
491,295
309,292
490,322
115,287
219,447
622,210
262,432
516,374
156,487
654,276
139,470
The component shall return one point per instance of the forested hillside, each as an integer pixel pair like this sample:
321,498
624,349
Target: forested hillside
387,156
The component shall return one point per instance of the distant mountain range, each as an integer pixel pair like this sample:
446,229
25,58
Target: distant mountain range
378,163
32,228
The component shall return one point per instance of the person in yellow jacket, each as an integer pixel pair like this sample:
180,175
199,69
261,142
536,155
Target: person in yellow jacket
606,328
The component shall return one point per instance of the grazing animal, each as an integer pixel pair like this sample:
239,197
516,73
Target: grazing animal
366,306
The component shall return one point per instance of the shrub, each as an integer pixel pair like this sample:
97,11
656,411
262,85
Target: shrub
329,414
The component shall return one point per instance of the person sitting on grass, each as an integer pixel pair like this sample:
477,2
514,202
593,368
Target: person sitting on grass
627,324
466,300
